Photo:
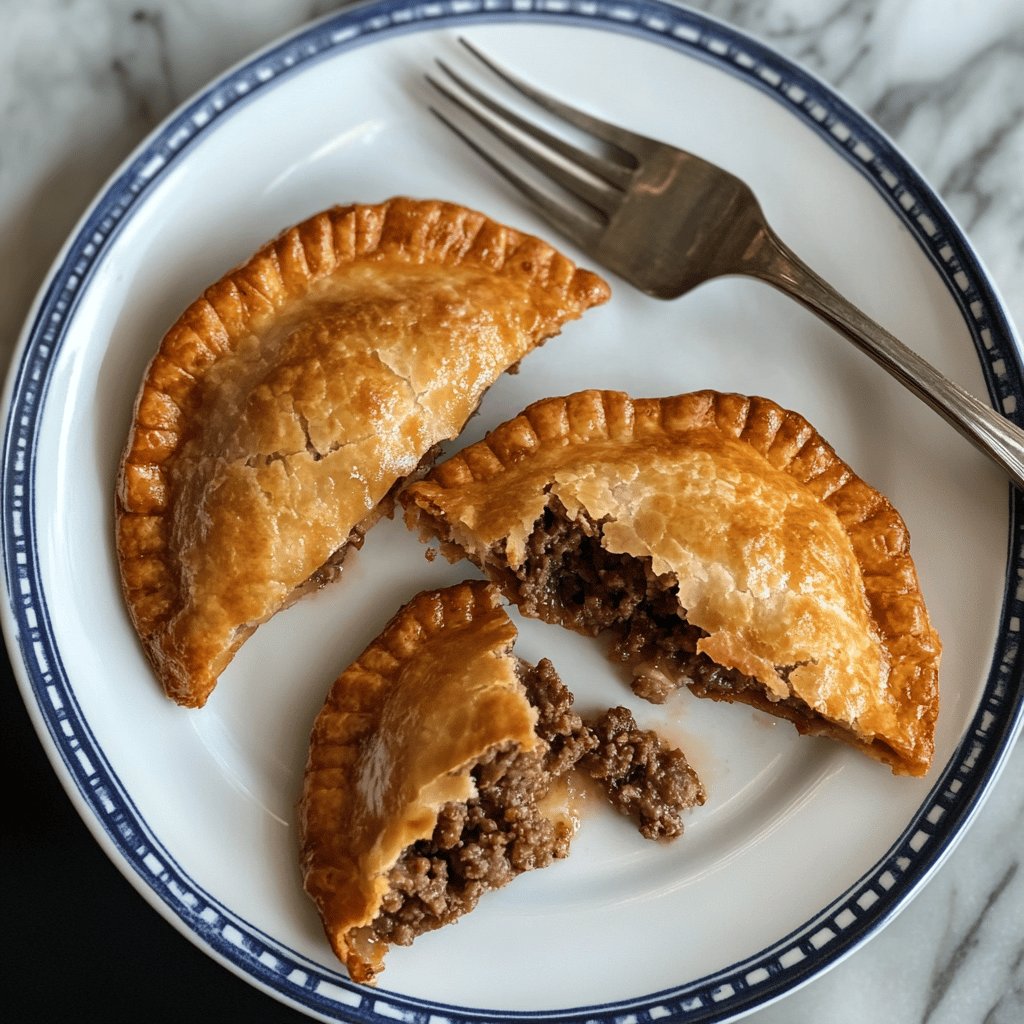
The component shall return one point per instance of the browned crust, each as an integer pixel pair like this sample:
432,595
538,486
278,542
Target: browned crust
421,231
343,857
879,537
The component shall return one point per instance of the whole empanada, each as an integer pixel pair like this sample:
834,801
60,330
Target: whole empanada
286,402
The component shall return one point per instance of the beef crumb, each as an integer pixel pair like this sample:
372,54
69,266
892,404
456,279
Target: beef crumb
642,778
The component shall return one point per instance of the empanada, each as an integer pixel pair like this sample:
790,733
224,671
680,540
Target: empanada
723,542
430,775
285,403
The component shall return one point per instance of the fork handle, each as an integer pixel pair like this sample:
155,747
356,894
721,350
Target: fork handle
1001,440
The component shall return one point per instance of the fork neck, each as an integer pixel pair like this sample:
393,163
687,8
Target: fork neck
770,259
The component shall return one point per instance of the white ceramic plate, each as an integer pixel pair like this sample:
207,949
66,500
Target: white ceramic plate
804,848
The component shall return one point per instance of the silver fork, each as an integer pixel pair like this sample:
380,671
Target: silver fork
666,220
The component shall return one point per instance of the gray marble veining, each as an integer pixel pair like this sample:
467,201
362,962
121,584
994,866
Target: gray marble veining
82,83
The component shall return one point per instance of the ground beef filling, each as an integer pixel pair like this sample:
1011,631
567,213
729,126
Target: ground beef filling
484,843
505,829
569,578
643,779
750,691
331,569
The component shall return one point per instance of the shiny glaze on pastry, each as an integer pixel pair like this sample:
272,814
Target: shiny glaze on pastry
797,573
285,403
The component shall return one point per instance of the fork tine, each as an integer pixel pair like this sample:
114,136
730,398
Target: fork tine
579,229
630,144
600,196
613,173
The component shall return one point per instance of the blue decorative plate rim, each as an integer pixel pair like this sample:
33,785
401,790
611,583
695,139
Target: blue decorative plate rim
794,959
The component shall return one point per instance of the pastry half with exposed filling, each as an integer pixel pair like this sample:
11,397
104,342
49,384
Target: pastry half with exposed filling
722,543
286,402
439,769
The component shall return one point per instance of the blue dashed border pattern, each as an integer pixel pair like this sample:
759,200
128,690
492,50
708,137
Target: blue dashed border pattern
838,928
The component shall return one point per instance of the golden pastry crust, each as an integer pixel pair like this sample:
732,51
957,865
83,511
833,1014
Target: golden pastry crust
396,739
285,403
799,572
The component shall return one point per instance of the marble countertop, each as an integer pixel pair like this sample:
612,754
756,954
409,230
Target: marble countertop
83,82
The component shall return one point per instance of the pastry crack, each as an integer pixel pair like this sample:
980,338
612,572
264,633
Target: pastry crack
378,326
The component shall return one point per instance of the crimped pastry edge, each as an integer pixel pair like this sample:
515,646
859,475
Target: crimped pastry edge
788,442
346,718
228,311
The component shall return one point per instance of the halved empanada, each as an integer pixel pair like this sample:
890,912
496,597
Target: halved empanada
284,404
722,541
429,775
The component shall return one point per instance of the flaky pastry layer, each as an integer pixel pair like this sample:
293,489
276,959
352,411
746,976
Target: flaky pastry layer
798,572
284,404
